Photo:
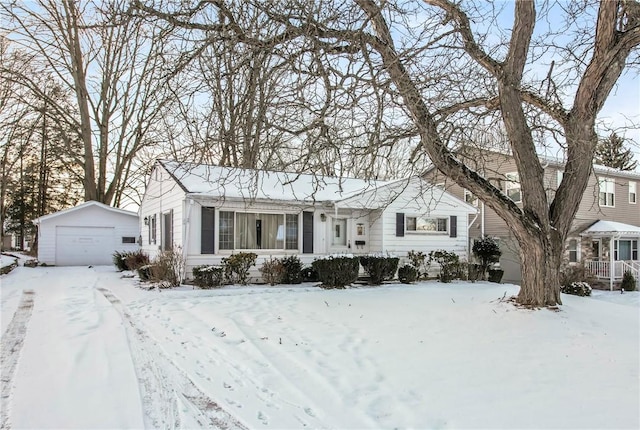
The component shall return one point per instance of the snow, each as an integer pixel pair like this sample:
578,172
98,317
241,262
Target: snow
98,352
612,227
260,184
6,260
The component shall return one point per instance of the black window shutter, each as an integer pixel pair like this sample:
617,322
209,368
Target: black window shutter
453,226
207,230
307,232
399,224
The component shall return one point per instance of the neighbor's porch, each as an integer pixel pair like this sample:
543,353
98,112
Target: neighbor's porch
613,251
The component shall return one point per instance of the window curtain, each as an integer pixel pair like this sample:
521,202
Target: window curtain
259,231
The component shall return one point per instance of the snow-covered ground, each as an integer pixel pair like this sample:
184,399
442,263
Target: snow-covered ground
6,260
85,348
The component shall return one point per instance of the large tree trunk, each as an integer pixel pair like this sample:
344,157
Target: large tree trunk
541,257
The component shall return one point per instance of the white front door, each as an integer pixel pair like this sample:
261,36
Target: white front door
338,234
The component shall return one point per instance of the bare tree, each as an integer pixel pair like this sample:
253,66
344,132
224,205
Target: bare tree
115,68
445,76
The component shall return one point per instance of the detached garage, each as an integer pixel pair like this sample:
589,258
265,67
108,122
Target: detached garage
87,234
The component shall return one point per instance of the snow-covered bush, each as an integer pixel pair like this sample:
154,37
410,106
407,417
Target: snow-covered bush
144,272
272,271
207,276
628,281
130,260
236,267
337,271
419,260
407,274
292,270
487,251
379,267
576,289
449,264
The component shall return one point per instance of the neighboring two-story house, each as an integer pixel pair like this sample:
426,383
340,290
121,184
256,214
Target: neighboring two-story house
606,230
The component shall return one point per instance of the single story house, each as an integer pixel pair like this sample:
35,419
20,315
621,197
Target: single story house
87,234
210,212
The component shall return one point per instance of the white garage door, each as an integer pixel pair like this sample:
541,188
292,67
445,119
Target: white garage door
79,246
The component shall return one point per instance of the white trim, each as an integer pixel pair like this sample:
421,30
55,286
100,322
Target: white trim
82,206
634,193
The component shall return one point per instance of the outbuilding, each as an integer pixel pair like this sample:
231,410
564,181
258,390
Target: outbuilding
87,234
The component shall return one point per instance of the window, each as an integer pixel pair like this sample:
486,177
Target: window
128,239
633,193
512,187
607,193
225,231
426,225
207,230
291,231
152,229
167,237
470,198
625,250
573,250
248,230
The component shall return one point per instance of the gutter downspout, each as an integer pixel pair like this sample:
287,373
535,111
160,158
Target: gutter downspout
186,223
482,221
469,235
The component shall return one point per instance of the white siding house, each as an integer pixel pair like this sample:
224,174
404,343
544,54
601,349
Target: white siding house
87,234
211,212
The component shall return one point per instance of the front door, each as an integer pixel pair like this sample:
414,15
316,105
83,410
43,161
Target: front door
596,249
339,232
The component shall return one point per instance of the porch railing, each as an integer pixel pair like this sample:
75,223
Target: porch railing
634,268
602,269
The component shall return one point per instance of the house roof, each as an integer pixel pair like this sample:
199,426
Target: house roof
546,160
611,228
246,184
207,180
82,206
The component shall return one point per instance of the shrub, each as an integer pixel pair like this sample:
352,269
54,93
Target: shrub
168,268
418,259
292,270
119,260
487,251
135,259
144,272
628,281
407,274
337,272
208,276
576,289
449,264
379,268
236,267
309,274
272,271
130,260
574,273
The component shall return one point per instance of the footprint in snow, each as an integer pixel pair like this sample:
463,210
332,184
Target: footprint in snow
309,412
262,417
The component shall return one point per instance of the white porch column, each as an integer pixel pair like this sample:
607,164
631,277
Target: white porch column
612,267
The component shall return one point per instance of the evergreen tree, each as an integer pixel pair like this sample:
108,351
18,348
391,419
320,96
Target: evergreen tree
611,152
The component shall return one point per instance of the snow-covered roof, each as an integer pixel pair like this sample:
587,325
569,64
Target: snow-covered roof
239,183
611,228
81,206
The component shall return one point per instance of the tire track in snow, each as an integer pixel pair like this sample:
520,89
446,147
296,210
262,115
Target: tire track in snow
165,385
11,345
